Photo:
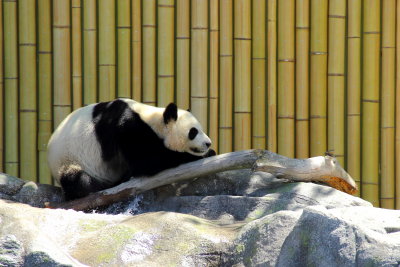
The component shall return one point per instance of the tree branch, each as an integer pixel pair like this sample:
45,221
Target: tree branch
318,169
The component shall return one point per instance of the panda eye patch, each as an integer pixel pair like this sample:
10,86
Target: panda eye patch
192,133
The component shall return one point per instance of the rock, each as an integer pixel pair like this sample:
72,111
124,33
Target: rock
236,218
11,251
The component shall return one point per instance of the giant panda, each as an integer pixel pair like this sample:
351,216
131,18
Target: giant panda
101,145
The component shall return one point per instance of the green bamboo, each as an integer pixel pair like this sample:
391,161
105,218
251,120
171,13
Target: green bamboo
44,88
397,184
272,142
137,50
242,77
336,82
61,60
199,61
353,153
89,52
214,73
1,92
318,77
11,156
183,53
165,56
302,78
76,54
107,52
387,182
226,77
149,52
124,48
286,75
258,75
27,96
370,102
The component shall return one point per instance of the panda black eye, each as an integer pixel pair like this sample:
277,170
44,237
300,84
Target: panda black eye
192,133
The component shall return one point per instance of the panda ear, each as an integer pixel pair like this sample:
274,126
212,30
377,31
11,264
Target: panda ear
170,113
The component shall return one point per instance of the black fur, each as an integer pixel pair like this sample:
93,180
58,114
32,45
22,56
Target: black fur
121,131
170,113
77,184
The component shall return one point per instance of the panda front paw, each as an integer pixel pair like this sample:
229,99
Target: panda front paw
210,153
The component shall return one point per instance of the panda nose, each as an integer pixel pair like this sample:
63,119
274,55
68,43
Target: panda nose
208,144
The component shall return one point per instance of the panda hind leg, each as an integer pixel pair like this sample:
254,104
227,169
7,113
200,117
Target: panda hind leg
77,184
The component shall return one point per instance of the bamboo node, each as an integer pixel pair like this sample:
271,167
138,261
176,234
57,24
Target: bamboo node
27,44
124,27
27,110
165,75
318,53
182,37
336,16
389,47
353,37
336,74
165,5
287,60
372,32
370,100
285,117
148,25
388,127
199,28
242,38
354,114
90,30
62,26
303,119
317,117
303,27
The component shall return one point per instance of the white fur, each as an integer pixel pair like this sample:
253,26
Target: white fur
74,144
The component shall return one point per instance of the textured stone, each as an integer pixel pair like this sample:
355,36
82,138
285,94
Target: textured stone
235,218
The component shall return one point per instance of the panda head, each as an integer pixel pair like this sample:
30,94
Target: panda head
183,132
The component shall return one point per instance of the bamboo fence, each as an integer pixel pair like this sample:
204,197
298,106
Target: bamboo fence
298,77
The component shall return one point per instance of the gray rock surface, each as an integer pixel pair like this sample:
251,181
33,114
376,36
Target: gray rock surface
235,218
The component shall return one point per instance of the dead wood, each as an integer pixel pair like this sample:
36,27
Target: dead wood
318,169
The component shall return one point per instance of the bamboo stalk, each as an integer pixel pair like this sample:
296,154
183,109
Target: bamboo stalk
272,142
286,75
11,156
397,188
214,73
124,48
370,102
258,74
183,53
353,152
2,169
76,54
44,88
336,73
137,50
242,77
199,61
27,96
107,53
89,52
61,60
149,52
387,182
318,76
165,52
302,78
226,77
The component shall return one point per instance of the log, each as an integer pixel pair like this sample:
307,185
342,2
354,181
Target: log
317,169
